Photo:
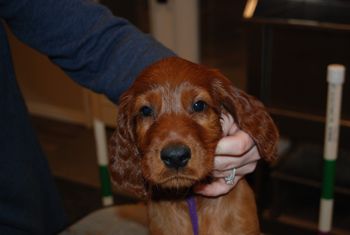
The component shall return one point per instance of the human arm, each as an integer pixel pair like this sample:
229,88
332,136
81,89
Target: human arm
98,50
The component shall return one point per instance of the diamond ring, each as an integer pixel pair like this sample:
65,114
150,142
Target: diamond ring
229,179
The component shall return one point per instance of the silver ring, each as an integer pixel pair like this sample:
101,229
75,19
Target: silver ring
229,179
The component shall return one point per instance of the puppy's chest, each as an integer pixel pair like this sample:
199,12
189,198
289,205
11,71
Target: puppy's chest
173,218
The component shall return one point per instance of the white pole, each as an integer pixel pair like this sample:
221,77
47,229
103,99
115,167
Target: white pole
175,23
162,22
102,160
187,29
335,79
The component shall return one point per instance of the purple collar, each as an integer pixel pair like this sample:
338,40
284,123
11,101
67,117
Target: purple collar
191,203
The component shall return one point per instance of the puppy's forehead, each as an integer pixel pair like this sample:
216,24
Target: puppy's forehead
171,77
171,94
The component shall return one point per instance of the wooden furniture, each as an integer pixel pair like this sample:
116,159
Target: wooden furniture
290,43
49,93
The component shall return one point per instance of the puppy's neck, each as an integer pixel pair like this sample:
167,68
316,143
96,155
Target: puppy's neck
171,194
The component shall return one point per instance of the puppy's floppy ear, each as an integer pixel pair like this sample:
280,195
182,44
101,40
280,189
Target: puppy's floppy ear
124,159
249,113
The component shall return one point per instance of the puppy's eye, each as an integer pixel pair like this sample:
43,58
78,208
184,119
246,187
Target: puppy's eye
199,106
146,111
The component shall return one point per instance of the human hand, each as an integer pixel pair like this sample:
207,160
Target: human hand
235,150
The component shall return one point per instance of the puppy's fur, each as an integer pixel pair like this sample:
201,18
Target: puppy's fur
161,109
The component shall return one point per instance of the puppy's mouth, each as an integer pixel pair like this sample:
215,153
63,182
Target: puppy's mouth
177,180
176,187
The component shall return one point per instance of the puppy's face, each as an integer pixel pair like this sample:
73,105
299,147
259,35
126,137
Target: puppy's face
176,127
169,125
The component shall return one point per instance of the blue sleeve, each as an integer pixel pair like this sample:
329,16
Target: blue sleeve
98,50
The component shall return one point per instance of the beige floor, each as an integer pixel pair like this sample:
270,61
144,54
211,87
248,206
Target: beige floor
117,220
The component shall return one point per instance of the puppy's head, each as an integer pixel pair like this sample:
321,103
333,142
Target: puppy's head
169,124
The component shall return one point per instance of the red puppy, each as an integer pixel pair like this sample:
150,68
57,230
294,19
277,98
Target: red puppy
168,128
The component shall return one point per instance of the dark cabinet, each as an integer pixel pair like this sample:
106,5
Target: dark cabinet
289,45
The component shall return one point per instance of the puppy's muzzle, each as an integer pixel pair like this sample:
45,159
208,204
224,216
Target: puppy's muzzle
175,156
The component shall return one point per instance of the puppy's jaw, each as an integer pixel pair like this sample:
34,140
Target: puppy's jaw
198,167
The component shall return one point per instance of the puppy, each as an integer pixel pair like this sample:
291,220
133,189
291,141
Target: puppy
168,127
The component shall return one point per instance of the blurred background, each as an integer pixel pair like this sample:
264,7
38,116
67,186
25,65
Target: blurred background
278,51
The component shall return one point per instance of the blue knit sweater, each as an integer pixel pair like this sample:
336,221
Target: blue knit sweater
95,48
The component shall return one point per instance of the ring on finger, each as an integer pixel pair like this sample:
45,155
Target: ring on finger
230,178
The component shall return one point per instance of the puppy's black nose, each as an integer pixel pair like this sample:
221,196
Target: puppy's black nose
175,156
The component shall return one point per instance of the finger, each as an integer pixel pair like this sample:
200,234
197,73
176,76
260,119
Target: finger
236,144
228,125
226,122
222,163
242,171
233,129
217,188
